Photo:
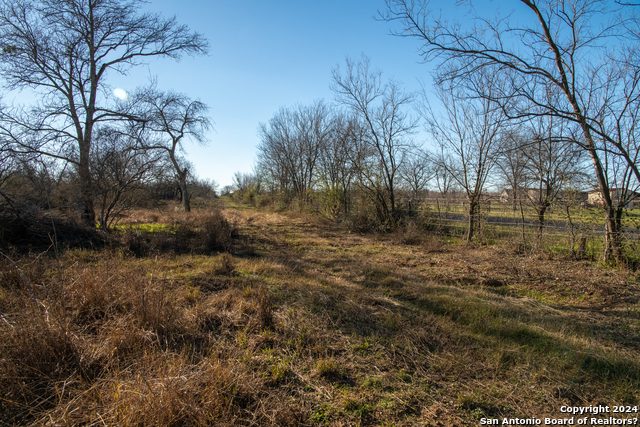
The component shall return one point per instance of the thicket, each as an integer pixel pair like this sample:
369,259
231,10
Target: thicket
40,209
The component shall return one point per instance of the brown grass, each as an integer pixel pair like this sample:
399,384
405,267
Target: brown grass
304,323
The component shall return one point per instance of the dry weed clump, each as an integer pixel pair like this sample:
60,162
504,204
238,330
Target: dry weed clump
167,389
37,356
417,228
224,265
203,231
410,233
217,233
134,243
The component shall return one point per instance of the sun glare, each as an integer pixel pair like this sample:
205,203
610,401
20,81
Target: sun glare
121,94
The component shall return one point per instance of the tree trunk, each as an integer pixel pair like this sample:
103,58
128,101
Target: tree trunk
182,178
613,236
345,202
86,188
473,212
541,208
541,211
613,243
184,190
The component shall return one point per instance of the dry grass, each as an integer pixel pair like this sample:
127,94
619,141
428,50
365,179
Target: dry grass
304,323
206,231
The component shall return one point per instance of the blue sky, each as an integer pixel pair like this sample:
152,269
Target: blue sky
265,55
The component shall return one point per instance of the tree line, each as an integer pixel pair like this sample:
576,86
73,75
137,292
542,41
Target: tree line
544,99
361,152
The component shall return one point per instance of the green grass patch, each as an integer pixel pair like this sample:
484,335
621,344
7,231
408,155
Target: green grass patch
147,228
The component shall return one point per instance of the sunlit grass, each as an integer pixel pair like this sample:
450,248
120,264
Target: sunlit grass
147,228
314,327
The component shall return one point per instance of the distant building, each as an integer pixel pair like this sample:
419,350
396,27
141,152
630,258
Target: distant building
526,194
573,196
595,198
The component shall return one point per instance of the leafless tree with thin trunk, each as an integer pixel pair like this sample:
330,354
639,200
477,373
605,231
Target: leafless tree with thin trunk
336,171
164,121
442,175
119,168
244,181
291,146
554,162
381,109
469,136
8,167
512,165
416,172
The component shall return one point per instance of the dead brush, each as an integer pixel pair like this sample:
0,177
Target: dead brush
165,388
224,265
432,243
390,336
117,335
12,276
103,292
121,342
134,243
410,234
216,232
37,355
265,309
154,309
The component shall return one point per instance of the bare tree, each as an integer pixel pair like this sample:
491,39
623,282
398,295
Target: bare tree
246,186
416,172
243,181
226,190
468,134
63,51
336,171
119,168
586,49
291,145
442,175
512,164
623,186
381,109
166,119
553,162
8,167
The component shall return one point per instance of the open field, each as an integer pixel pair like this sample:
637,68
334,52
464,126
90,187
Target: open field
587,220
305,323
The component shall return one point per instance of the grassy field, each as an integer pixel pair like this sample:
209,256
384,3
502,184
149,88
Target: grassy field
301,322
587,216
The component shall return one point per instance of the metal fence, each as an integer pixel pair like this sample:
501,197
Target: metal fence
571,222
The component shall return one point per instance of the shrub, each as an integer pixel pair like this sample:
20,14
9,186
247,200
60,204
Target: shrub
362,217
217,233
410,233
265,309
225,266
134,243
